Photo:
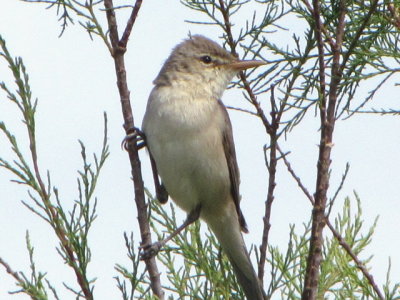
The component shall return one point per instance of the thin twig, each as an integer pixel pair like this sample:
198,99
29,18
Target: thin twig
295,177
243,78
124,40
354,257
241,110
273,160
10,271
332,201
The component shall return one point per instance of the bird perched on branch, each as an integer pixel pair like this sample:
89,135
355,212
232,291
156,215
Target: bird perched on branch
189,136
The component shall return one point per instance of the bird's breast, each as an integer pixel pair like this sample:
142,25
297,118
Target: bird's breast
185,139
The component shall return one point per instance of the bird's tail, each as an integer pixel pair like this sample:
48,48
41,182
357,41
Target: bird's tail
227,231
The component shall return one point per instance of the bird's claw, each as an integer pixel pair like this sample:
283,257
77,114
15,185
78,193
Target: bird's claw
134,135
149,251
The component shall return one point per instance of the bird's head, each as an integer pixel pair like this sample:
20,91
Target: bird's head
201,63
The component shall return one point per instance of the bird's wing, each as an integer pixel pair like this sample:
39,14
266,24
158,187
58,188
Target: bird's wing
230,154
161,191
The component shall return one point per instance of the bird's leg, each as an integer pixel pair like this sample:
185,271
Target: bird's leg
151,250
134,135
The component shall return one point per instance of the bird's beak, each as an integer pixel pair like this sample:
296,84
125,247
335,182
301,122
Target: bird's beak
240,65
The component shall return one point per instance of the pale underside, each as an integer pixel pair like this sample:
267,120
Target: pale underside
186,143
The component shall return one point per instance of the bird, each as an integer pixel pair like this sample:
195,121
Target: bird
189,137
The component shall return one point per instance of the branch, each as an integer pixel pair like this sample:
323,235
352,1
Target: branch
273,160
119,48
314,258
327,115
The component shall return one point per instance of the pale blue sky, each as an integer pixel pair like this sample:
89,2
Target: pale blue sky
74,79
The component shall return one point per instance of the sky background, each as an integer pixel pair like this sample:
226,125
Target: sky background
74,80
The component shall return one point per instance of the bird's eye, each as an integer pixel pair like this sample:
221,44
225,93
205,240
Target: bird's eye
206,59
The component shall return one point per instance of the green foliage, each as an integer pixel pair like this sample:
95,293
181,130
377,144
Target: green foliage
198,269
70,227
205,272
84,11
340,276
133,276
195,266
35,285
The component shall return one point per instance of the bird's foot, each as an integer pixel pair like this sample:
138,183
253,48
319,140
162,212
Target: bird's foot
135,135
149,251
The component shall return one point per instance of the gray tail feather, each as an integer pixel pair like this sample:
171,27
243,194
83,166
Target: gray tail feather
248,280
227,231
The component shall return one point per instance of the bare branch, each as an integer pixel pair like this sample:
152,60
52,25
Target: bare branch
119,47
273,160
310,289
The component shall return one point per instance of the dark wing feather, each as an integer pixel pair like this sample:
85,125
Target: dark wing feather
230,154
161,191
